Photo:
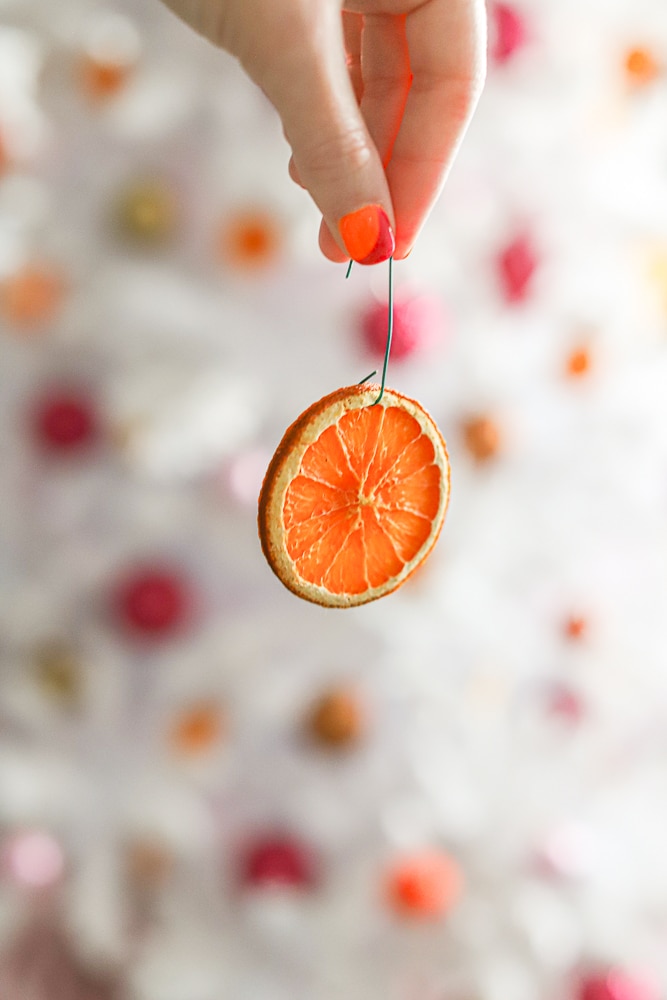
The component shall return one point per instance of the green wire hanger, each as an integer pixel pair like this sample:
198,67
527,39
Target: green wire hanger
390,330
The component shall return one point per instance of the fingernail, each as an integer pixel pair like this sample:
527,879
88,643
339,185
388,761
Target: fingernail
367,235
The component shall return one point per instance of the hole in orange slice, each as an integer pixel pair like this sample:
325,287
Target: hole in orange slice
355,496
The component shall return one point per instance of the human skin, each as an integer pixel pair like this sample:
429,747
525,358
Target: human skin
374,96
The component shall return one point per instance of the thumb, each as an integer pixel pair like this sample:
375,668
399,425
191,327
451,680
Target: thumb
305,76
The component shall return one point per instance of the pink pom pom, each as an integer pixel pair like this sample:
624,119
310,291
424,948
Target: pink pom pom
507,32
517,264
616,984
419,325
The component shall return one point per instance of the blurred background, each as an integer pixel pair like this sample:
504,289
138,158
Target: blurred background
210,790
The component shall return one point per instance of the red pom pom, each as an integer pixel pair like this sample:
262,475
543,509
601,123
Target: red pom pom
153,602
279,861
517,264
507,32
419,324
65,422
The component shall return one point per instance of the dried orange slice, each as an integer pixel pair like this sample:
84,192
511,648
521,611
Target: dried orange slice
355,496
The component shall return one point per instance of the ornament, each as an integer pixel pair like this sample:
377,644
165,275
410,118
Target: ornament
278,861
110,55
101,80
575,627
148,863
58,672
616,984
641,67
481,438
564,703
423,885
64,421
335,719
153,602
354,497
249,240
31,298
419,324
33,859
197,729
578,363
147,213
507,32
517,263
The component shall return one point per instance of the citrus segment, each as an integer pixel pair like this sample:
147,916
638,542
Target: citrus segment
354,497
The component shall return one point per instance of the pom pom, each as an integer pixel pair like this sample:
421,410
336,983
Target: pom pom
419,325
153,602
147,212
575,627
31,298
197,729
65,421
249,240
641,67
425,885
101,80
336,719
33,859
111,52
481,438
578,363
58,673
507,32
278,862
616,984
517,263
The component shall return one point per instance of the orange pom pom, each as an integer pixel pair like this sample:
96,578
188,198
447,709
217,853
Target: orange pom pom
578,363
641,66
426,885
575,627
31,297
249,240
481,438
101,80
197,729
336,719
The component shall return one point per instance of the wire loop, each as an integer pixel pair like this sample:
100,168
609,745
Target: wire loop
390,330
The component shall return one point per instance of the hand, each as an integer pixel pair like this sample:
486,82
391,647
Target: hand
374,97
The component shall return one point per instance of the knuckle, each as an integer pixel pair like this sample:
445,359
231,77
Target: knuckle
324,155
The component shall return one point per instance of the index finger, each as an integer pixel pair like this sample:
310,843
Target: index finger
447,44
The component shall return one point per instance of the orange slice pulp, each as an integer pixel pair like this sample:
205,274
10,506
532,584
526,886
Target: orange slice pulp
355,497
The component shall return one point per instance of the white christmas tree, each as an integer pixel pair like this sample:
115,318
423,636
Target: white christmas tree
208,788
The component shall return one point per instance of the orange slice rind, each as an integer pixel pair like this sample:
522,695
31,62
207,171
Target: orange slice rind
354,497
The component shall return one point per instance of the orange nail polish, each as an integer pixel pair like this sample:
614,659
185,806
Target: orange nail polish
367,235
